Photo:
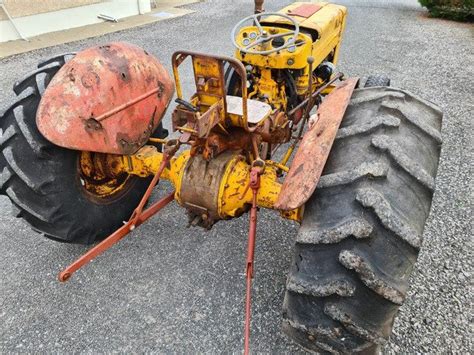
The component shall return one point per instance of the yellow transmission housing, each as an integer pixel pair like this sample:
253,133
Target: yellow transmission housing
215,189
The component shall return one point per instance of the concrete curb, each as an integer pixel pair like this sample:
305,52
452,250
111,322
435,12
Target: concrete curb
163,11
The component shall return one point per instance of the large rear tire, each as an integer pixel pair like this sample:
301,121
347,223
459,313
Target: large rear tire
363,226
377,80
43,181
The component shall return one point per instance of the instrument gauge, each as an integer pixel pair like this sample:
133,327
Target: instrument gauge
246,42
292,49
253,35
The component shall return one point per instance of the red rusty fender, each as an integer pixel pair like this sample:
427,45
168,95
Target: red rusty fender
309,161
106,99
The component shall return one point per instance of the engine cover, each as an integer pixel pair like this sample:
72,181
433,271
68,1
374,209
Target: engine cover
106,99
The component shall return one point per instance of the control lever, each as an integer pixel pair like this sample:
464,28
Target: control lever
186,104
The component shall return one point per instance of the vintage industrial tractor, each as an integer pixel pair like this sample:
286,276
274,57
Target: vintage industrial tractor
83,147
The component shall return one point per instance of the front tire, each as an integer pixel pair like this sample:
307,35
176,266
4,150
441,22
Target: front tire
43,181
362,228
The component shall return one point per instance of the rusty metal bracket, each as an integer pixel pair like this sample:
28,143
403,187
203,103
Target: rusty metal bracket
209,80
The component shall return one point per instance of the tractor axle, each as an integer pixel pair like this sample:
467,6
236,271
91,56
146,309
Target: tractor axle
210,190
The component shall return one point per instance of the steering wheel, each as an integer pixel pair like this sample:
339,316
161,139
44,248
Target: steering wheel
263,36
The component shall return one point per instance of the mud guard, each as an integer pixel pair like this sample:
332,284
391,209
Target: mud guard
106,99
313,152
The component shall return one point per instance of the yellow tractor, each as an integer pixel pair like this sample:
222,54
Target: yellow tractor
275,126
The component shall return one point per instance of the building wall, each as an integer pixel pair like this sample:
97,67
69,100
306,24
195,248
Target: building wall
21,8
33,22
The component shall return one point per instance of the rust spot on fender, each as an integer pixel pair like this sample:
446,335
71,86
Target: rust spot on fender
90,80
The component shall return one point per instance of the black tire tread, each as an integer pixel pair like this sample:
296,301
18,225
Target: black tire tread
363,227
41,179
377,80
23,188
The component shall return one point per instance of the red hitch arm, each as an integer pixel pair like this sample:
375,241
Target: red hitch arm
249,270
138,217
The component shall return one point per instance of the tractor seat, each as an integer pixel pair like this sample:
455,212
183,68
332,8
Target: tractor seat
257,111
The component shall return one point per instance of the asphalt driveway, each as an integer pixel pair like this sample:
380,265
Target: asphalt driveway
170,289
